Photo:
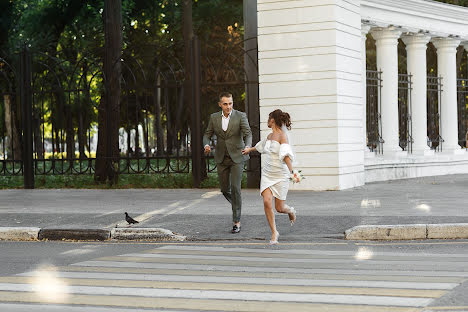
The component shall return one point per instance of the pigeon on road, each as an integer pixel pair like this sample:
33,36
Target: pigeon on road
129,219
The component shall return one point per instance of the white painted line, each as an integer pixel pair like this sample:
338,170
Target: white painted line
248,280
308,252
232,295
211,194
21,307
163,212
292,260
143,265
78,251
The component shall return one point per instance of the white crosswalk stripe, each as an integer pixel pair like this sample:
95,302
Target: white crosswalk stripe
188,277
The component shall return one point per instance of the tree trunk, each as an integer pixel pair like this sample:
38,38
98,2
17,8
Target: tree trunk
37,134
58,139
70,134
157,118
109,116
188,37
100,173
83,110
145,136
169,127
81,137
137,142
14,145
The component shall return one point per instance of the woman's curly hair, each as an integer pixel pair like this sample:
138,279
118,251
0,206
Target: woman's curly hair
281,118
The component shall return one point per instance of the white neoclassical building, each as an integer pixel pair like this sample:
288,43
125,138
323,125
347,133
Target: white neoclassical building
352,125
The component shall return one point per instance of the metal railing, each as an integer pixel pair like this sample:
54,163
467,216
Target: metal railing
462,105
373,109
404,112
434,101
154,131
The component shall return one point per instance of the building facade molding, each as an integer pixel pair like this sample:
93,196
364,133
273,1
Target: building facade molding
312,63
438,19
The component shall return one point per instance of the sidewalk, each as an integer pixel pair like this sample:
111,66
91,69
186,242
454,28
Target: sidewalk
206,215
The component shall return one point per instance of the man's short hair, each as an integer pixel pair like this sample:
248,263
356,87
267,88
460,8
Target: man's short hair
224,94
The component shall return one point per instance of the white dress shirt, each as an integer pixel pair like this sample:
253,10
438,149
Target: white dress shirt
225,120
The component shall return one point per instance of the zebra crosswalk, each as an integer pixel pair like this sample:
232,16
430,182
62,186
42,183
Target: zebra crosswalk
209,278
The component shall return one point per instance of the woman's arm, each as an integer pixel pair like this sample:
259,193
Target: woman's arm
287,159
247,150
288,162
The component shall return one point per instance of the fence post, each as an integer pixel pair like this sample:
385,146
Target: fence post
252,106
26,117
196,132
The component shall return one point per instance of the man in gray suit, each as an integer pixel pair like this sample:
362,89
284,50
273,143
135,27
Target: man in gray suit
233,134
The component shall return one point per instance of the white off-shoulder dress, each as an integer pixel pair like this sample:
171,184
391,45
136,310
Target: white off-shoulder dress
275,172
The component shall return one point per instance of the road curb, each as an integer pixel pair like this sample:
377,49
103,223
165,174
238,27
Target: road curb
19,233
450,230
35,233
74,234
408,232
145,233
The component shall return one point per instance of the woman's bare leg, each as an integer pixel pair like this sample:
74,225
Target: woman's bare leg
270,215
281,207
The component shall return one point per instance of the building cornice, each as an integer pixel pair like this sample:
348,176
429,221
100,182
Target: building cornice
435,18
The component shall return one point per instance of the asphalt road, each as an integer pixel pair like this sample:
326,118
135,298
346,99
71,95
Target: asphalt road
395,276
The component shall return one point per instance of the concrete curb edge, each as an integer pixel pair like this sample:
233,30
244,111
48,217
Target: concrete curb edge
35,234
408,232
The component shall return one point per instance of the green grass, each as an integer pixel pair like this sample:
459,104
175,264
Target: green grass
86,181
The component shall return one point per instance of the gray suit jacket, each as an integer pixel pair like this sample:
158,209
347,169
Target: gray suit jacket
233,140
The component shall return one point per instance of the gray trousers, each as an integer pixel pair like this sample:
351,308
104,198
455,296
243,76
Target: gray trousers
230,177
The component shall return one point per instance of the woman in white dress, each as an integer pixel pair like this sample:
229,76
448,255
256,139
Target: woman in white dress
276,169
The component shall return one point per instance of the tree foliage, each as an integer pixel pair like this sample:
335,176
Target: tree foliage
66,38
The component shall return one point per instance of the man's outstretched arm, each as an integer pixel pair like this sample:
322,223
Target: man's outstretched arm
246,131
207,136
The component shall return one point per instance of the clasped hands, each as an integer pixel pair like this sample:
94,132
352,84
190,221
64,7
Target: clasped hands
247,150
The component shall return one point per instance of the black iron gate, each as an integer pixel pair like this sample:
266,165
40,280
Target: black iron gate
373,108
404,112
10,125
462,100
434,100
49,124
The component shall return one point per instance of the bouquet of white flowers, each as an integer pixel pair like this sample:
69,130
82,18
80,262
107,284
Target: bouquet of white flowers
296,176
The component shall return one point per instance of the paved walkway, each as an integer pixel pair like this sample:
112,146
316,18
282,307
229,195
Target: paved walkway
205,214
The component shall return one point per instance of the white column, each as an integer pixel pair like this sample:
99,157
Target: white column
447,69
309,61
387,62
416,46
364,30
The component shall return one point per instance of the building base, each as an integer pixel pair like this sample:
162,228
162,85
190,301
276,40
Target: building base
414,166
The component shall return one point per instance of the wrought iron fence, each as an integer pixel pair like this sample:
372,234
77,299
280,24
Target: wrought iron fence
462,101
373,108
155,130
404,112
238,81
434,100
10,120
